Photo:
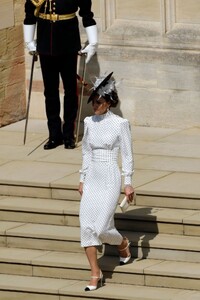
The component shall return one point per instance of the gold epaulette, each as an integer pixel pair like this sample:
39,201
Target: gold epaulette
38,3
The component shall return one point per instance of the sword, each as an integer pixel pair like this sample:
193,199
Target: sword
29,94
81,99
37,147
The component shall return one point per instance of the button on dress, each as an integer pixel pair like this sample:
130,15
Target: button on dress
105,136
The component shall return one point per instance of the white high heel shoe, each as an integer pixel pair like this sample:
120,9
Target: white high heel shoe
125,260
94,287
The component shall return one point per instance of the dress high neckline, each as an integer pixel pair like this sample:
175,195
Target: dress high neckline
103,116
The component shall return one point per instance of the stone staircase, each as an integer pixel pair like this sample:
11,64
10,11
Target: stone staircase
41,257
40,253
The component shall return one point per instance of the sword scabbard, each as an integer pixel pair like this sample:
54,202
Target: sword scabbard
34,59
83,84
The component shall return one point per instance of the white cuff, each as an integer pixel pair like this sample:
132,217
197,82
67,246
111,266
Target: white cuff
29,32
92,34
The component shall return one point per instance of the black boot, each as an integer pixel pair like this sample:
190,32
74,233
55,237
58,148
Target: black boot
69,143
51,144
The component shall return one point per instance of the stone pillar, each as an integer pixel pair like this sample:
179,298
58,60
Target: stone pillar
12,65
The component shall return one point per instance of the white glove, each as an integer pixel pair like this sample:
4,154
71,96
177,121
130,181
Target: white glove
29,33
91,49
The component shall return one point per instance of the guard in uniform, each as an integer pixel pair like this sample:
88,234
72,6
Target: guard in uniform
58,43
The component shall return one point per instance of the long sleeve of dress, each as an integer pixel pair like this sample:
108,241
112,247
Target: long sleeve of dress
126,152
86,152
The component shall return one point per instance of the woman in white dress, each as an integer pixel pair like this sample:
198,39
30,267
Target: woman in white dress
105,134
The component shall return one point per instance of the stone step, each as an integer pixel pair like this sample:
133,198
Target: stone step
162,199
67,238
42,179
64,265
60,181
39,210
37,288
137,218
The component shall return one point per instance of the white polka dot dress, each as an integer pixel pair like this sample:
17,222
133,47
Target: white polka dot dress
104,136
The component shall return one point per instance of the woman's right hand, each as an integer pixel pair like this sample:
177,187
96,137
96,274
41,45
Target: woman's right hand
129,192
80,188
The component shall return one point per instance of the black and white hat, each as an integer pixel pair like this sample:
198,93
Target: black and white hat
104,87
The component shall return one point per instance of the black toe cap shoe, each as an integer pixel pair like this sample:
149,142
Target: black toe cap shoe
69,143
51,144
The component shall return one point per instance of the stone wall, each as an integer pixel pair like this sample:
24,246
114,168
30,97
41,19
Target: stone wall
153,47
12,66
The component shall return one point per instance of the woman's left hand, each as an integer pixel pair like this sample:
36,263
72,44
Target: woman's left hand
129,192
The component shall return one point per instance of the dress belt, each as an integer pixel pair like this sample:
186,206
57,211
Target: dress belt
103,155
55,17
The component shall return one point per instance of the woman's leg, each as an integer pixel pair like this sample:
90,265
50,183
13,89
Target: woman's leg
124,251
91,253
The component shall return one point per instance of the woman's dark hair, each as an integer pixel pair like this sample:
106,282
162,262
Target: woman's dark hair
112,98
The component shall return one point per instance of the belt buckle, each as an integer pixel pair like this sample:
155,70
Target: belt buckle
54,17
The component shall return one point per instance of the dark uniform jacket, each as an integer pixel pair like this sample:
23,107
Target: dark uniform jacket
59,37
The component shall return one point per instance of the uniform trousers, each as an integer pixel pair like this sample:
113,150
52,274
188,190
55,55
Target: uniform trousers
53,68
